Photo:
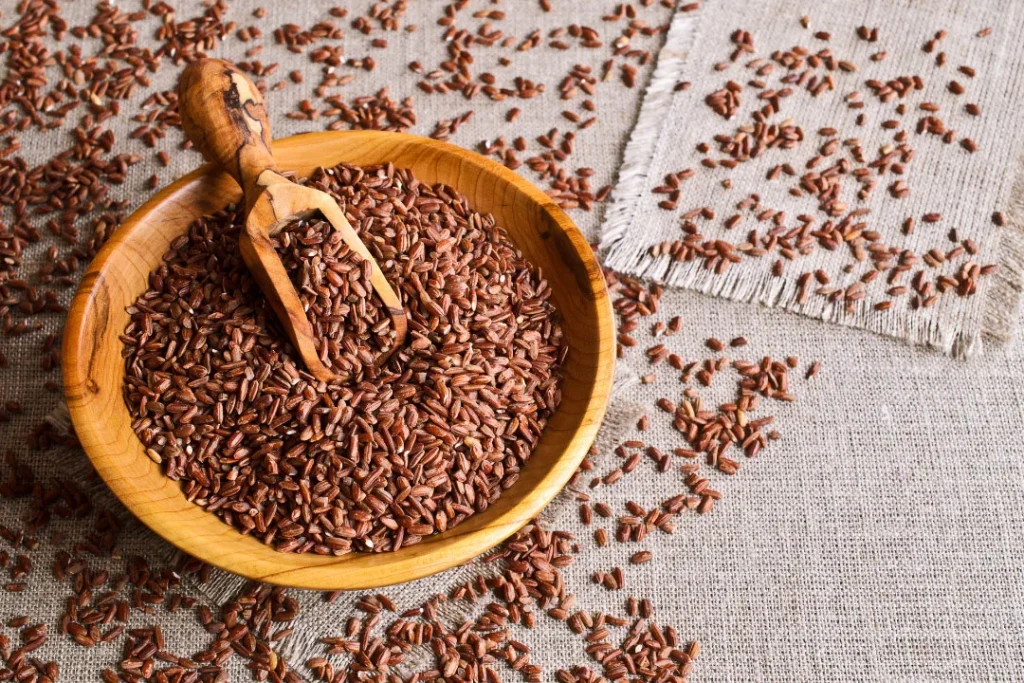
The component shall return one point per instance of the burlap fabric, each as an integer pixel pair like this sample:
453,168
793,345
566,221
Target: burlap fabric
879,539
963,189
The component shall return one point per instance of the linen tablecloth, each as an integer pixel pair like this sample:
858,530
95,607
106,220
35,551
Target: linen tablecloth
878,539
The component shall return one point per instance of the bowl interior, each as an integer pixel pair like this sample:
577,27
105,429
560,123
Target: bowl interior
94,368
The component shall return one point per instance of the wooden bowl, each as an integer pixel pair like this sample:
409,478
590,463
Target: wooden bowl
94,369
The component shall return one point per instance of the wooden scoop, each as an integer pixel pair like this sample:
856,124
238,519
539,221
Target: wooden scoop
223,115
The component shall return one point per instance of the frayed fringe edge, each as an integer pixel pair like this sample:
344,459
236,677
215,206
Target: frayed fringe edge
1003,300
772,292
643,141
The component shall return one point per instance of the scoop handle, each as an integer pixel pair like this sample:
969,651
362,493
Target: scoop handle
223,115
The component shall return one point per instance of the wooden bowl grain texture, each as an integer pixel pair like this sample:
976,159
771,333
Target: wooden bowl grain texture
94,369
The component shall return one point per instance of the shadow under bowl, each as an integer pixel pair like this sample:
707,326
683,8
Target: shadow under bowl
94,368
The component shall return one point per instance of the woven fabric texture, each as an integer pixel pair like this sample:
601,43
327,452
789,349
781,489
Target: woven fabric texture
878,539
868,130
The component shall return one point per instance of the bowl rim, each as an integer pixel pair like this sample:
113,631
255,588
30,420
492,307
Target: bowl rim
326,572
